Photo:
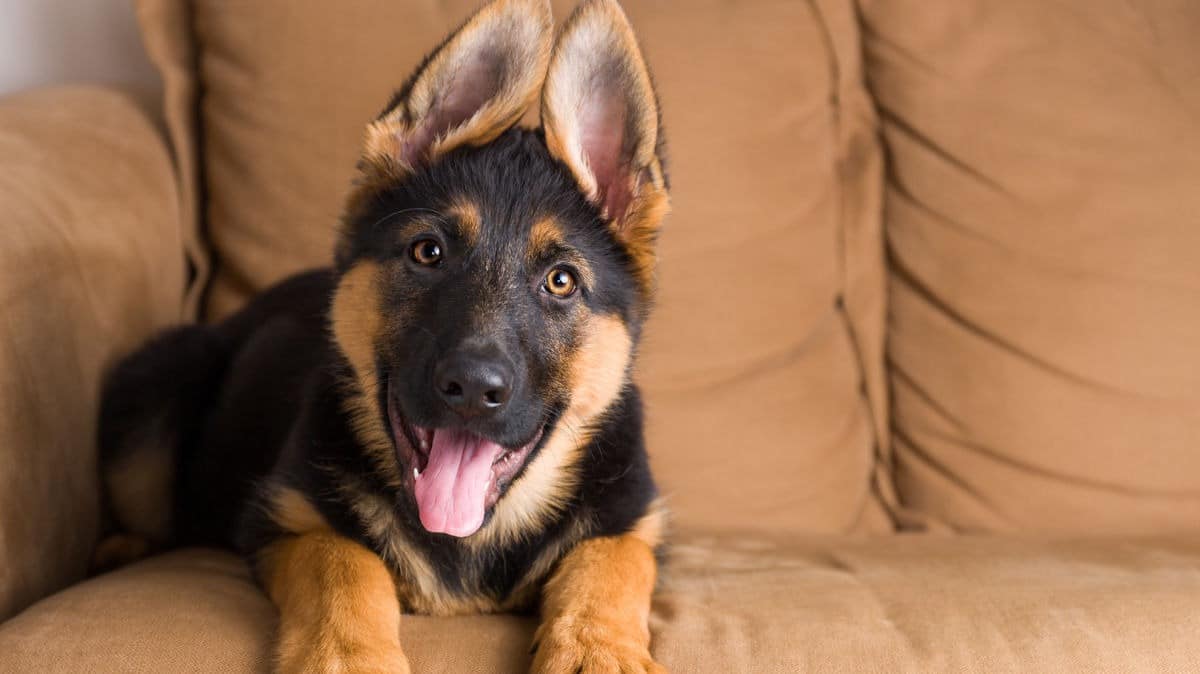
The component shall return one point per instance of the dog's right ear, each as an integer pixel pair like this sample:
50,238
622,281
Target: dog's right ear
472,88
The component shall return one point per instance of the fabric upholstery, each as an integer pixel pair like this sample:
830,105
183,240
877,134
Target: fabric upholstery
1043,225
763,366
728,604
89,264
171,47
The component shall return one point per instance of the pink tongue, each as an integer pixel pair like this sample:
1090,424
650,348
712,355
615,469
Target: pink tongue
452,490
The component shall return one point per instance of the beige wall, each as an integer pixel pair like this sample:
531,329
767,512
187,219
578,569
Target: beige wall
57,41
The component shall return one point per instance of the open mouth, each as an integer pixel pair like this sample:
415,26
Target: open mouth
456,475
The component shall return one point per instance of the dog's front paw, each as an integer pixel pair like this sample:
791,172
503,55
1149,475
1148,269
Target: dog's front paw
570,646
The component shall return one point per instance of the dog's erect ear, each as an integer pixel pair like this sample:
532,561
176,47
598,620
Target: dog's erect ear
601,118
471,89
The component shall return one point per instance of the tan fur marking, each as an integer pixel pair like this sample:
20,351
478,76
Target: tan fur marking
597,375
521,30
596,609
292,511
470,222
356,316
337,605
600,368
545,234
357,323
651,529
646,214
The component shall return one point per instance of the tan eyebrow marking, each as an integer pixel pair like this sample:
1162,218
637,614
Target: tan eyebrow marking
469,220
544,235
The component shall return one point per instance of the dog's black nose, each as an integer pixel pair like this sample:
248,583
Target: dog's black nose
473,384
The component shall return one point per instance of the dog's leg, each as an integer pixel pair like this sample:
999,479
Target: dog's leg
337,604
595,609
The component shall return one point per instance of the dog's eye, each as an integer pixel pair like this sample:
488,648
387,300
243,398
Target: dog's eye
426,252
560,282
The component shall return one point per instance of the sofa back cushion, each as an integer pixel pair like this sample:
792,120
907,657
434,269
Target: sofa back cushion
763,364
1043,223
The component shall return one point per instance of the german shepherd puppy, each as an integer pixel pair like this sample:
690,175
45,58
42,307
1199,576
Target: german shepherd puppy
443,422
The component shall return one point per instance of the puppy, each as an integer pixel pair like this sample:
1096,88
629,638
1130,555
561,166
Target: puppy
444,421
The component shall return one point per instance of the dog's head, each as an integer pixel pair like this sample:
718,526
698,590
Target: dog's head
493,279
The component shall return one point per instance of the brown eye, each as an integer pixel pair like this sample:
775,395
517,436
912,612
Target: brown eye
560,282
426,252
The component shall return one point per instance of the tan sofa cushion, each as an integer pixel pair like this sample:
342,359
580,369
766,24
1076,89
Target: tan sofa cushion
770,321
728,604
90,264
1043,219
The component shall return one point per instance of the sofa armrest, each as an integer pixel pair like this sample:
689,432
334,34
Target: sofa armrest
91,262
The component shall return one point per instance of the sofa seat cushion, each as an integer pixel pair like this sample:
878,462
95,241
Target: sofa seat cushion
728,604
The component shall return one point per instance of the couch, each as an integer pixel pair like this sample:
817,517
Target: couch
923,382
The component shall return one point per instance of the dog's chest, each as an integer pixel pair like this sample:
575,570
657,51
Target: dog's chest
466,579
461,577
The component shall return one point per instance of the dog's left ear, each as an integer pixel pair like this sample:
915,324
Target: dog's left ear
601,119
471,89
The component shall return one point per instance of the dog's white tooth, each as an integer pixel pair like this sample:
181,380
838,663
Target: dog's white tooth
416,473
